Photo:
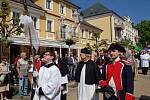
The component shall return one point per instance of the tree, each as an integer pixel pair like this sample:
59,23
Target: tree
69,42
8,28
104,43
127,43
88,46
96,37
144,32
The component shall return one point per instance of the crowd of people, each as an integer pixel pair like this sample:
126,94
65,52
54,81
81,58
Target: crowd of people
46,77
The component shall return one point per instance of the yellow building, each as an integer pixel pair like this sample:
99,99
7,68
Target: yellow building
107,20
55,21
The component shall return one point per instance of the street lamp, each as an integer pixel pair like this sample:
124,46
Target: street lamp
70,41
76,21
76,17
61,26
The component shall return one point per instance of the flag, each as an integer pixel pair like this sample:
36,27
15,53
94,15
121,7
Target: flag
29,27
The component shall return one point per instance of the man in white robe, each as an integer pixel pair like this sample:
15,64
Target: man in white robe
49,80
145,62
87,76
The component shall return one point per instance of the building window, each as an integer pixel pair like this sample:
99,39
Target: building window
63,9
82,33
90,35
50,26
117,33
15,15
63,31
49,4
34,22
75,33
72,13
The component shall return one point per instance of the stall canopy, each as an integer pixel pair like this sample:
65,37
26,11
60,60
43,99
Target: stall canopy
137,48
146,49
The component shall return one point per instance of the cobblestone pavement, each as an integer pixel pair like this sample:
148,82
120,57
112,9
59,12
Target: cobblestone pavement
141,91
142,87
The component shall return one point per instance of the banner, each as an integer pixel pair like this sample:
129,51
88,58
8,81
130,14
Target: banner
29,27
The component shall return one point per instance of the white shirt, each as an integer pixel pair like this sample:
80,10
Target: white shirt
112,84
145,60
86,92
50,81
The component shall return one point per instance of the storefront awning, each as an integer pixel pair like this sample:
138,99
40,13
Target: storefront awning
43,42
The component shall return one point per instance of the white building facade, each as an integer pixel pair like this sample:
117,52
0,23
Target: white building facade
129,31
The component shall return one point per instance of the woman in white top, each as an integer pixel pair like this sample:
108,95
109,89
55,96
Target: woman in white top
4,86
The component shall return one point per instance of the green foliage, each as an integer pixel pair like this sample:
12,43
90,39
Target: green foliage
144,32
5,9
8,27
104,50
96,35
69,42
88,46
104,43
139,44
126,43
5,42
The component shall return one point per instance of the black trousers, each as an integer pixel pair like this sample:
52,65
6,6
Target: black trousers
63,96
144,70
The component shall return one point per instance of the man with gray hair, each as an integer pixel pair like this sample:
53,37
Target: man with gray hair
22,69
87,76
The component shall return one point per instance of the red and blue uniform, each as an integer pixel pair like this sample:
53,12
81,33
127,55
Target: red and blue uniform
121,71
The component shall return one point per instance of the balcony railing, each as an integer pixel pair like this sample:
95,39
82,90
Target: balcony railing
120,26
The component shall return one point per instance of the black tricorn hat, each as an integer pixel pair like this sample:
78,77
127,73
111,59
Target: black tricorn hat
86,51
116,47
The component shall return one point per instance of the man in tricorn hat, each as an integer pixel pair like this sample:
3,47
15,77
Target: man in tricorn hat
87,76
117,83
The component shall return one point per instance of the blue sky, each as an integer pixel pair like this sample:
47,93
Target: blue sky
137,9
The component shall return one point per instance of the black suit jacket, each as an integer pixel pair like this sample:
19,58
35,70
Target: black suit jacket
92,75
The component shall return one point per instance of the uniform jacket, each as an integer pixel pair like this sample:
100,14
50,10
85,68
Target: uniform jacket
121,72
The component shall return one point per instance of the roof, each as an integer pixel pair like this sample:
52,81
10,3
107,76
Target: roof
88,24
29,3
72,4
96,9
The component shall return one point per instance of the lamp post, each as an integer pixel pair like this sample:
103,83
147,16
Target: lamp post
76,20
70,41
61,26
